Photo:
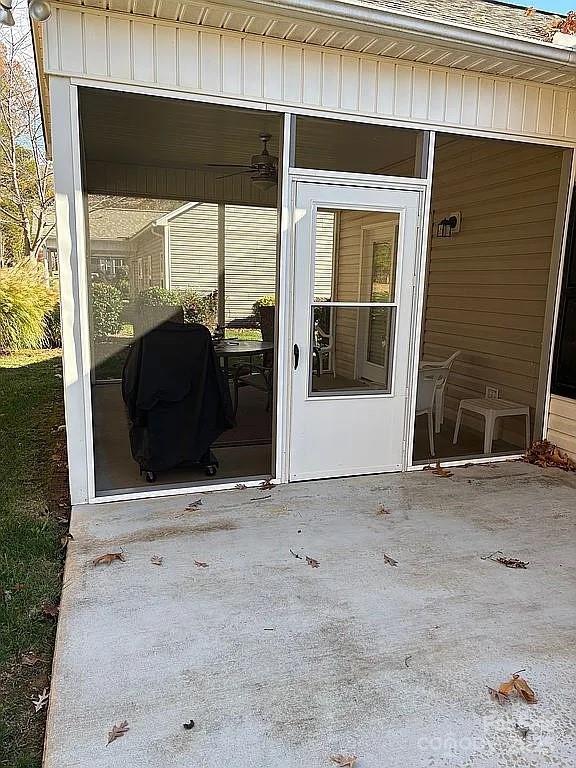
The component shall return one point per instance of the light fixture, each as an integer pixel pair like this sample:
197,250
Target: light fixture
39,10
264,182
446,226
6,17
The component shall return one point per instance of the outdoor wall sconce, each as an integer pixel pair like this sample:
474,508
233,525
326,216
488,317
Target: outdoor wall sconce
39,10
447,226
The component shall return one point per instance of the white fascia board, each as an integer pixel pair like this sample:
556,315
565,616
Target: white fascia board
162,221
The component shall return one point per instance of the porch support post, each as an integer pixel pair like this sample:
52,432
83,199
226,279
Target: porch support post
72,278
284,305
221,264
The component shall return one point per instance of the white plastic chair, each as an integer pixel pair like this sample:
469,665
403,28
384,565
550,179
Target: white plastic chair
322,346
425,405
431,366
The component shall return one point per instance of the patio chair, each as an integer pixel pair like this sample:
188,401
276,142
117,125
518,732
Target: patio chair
322,346
429,383
431,366
258,376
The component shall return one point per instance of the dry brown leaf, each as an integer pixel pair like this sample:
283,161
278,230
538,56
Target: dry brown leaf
501,698
50,610
440,471
118,731
157,560
267,485
30,659
108,558
509,562
389,560
505,689
194,505
382,510
311,562
200,564
545,454
240,486
65,539
344,761
523,689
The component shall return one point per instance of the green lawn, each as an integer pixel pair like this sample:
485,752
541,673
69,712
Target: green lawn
33,508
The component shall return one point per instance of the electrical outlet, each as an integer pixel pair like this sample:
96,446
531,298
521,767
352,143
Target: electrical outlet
492,393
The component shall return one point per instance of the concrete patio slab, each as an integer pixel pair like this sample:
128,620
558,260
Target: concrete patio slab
283,664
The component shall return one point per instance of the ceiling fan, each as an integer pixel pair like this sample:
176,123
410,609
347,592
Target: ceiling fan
263,168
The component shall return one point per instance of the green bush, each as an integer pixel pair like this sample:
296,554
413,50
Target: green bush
197,308
263,301
107,307
25,299
52,332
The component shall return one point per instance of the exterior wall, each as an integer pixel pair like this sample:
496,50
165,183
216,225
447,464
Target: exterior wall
148,260
186,58
193,239
487,286
562,424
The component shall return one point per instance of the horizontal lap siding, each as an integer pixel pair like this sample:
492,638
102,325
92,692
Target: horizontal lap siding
149,248
185,58
562,424
488,284
250,251
193,237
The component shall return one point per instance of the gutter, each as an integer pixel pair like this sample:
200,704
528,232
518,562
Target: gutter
383,19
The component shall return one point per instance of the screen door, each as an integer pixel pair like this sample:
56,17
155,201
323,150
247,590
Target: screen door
355,258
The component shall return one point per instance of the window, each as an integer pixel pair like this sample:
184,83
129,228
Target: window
564,368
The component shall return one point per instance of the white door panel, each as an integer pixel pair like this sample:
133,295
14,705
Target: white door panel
351,352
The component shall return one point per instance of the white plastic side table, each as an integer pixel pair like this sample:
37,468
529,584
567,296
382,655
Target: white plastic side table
491,409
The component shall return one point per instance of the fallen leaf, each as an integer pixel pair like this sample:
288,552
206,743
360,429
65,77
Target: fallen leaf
240,486
65,539
501,698
189,725
267,485
200,564
522,730
545,454
524,689
30,659
440,471
50,610
382,510
118,731
298,557
509,562
156,560
194,505
311,562
344,761
109,558
41,701
389,560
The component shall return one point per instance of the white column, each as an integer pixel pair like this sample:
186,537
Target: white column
73,296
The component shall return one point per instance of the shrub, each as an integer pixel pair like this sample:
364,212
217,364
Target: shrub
197,308
263,301
52,331
24,301
107,306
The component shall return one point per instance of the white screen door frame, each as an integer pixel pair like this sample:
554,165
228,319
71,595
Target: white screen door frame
339,423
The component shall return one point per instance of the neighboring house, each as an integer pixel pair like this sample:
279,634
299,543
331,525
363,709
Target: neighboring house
428,145
202,246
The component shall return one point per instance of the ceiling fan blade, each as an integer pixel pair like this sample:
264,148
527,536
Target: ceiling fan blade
237,173
219,166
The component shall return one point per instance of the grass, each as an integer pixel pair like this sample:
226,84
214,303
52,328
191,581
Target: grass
33,502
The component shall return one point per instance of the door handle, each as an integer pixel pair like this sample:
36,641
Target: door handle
296,356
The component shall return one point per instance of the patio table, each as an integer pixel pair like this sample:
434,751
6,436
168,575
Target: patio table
230,348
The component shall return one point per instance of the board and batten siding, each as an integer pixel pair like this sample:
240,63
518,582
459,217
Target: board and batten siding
148,250
487,285
562,424
181,57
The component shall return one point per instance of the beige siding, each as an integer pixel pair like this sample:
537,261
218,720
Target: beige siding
562,424
193,239
250,253
487,285
147,261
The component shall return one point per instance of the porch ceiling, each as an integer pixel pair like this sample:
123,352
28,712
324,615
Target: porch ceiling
452,45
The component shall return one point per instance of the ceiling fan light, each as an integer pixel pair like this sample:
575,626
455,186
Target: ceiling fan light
39,10
263,184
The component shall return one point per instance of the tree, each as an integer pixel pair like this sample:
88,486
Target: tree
26,189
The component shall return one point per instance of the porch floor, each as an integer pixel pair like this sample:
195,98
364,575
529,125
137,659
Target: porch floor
282,664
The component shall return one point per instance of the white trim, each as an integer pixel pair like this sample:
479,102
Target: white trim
567,182
167,258
167,218
465,462
128,86
152,494
420,279
284,306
